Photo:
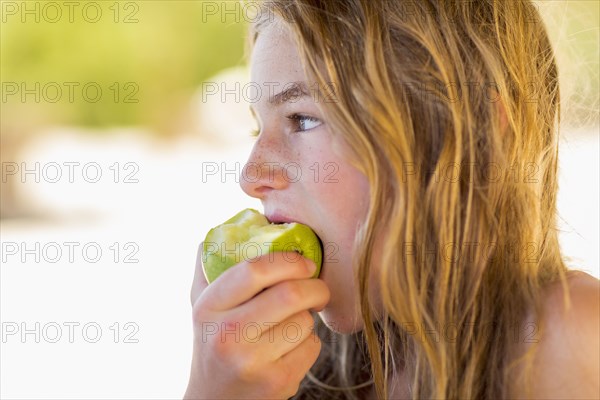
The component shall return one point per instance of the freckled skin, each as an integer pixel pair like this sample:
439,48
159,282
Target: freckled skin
330,196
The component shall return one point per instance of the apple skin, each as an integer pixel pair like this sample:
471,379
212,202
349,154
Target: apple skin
248,235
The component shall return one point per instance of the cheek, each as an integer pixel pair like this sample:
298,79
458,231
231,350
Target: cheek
343,195
338,184
352,194
339,189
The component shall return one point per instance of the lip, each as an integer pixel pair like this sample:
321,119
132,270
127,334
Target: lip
277,218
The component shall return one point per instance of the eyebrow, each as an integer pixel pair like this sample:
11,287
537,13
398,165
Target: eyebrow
293,91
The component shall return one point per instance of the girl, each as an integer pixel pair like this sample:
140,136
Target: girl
425,136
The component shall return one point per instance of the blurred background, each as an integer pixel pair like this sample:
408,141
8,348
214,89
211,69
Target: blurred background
116,161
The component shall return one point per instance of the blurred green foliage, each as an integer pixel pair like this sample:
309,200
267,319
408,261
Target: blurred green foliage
164,49
158,52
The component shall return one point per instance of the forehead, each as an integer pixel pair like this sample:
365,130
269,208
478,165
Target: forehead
275,57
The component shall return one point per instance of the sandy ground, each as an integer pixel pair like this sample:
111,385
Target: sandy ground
116,324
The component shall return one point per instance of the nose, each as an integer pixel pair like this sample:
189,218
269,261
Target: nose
264,172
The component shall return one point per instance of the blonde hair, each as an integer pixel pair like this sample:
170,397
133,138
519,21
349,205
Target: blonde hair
423,88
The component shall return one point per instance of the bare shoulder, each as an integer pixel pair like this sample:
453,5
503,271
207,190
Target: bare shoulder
567,365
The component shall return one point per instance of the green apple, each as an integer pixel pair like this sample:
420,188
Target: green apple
249,235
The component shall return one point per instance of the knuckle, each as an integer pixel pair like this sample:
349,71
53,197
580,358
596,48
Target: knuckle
306,320
256,271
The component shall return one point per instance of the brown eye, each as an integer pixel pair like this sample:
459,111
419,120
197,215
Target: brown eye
304,123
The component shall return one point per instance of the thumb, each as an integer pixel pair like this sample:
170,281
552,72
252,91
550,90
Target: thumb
199,283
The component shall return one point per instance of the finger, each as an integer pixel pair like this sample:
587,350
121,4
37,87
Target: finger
298,361
280,302
199,283
243,281
289,334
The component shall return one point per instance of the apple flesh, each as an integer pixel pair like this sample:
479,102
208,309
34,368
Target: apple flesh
248,235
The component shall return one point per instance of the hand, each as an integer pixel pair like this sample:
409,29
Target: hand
253,331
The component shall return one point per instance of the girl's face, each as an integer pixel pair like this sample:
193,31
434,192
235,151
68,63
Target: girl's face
304,176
